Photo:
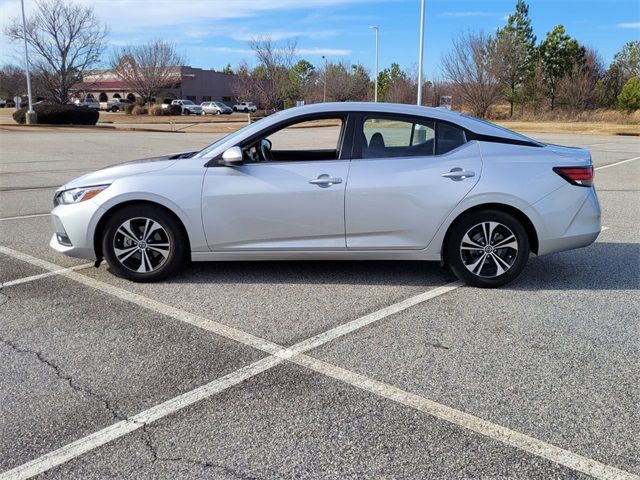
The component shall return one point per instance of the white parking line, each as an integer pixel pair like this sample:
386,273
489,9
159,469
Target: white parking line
20,281
470,422
617,163
20,217
278,354
295,354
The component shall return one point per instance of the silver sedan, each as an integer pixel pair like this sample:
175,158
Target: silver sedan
348,181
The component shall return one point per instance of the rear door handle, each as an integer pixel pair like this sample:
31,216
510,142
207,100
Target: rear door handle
459,174
324,181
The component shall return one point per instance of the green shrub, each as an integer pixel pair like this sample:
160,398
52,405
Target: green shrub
174,110
128,108
56,114
138,110
156,110
629,98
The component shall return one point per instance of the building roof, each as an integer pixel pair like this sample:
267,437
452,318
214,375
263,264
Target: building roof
105,85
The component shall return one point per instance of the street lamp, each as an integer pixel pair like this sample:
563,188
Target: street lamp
421,53
31,114
324,94
377,30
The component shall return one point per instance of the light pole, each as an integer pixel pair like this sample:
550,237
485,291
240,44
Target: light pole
31,114
377,30
420,54
324,94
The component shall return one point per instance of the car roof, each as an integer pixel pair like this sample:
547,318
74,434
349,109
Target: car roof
470,123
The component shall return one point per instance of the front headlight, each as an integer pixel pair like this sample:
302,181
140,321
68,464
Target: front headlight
80,194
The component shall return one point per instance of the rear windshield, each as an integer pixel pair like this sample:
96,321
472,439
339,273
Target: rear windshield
506,130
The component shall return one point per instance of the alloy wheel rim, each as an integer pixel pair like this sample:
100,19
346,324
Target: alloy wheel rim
141,245
489,249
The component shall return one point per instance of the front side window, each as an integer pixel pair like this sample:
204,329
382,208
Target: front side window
385,137
307,140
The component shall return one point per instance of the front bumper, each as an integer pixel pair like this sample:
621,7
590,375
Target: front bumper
74,227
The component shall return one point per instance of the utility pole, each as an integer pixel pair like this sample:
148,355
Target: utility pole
324,94
377,30
31,116
420,55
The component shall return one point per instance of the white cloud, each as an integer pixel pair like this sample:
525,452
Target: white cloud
635,25
277,36
314,51
329,52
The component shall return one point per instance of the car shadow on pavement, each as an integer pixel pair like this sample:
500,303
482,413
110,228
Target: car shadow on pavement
398,273
600,266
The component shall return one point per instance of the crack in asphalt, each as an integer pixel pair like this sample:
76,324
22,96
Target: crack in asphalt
148,439
63,376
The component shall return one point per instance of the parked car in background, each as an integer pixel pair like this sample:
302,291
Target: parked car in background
245,107
406,183
118,104
89,103
188,107
216,108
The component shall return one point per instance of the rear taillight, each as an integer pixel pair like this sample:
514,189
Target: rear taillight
582,176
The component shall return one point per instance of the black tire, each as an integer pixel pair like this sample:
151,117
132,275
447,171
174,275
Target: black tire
235,109
246,110
114,109
186,111
500,265
162,265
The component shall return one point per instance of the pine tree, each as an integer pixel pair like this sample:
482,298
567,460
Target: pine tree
513,52
559,55
629,98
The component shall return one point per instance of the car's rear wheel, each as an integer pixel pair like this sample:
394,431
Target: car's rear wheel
144,243
114,109
487,248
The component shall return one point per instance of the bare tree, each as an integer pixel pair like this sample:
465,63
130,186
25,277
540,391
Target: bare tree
12,82
346,82
577,90
148,69
66,39
469,67
268,83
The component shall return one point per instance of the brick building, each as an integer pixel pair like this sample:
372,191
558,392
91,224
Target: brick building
190,83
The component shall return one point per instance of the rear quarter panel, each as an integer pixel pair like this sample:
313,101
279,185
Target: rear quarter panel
513,175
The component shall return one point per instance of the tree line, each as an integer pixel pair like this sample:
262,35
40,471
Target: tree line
480,71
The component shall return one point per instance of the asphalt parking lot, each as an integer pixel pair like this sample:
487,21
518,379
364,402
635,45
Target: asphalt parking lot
312,369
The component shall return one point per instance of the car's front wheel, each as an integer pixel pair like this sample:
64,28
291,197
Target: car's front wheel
487,248
144,243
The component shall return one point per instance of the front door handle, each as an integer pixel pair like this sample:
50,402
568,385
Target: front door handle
324,181
458,174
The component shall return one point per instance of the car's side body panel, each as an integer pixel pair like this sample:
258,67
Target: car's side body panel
272,206
399,203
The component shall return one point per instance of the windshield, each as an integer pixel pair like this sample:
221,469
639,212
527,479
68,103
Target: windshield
204,152
187,102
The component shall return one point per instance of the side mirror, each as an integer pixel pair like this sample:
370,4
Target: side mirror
232,157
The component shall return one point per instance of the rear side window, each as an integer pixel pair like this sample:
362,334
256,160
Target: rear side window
449,138
384,137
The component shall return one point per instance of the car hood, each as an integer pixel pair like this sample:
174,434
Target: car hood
136,167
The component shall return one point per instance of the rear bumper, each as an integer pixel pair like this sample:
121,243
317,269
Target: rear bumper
572,219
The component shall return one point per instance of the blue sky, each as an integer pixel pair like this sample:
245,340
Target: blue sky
212,33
